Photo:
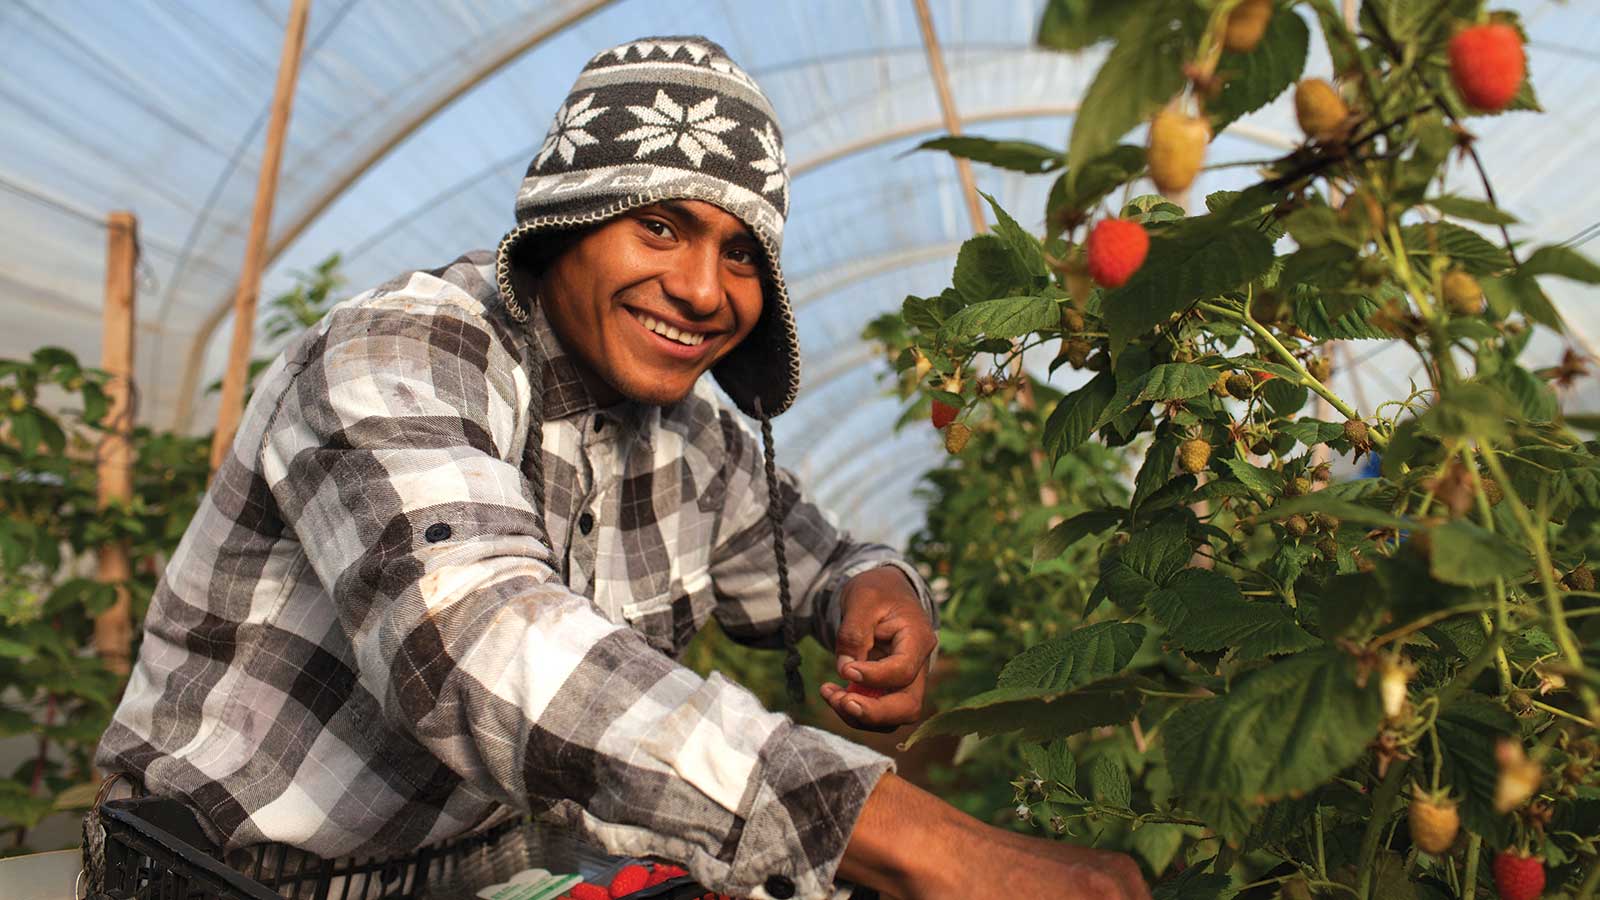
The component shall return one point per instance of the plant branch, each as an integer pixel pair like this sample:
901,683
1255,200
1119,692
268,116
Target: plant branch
1288,358
1559,630
1382,805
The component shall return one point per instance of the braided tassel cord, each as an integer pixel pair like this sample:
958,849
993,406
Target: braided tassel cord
775,514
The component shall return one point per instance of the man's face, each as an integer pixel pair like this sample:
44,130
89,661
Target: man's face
653,298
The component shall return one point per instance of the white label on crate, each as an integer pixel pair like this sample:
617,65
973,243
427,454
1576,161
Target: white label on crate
530,884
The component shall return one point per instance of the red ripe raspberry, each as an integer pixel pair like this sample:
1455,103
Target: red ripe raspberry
587,891
1116,250
1487,64
863,690
943,414
1518,877
664,872
632,877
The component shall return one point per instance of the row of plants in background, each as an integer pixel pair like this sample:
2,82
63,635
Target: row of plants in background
54,689
1277,683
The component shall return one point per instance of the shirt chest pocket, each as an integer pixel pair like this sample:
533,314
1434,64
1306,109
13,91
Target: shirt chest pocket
669,620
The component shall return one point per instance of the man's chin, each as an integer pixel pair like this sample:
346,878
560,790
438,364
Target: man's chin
658,392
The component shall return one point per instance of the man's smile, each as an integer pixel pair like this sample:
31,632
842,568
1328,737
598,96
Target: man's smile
673,338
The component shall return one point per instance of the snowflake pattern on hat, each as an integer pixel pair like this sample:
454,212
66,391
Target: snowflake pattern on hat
694,131
567,134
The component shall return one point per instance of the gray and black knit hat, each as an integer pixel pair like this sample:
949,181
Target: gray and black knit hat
671,118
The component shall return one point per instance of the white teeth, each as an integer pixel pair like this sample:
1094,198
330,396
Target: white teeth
667,331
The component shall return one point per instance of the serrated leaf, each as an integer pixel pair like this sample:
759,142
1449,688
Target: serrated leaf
1038,714
1108,782
1563,261
1073,419
1465,247
1007,317
1203,611
1148,561
1177,381
1283,729
1137,77
1531,394
1156,470
1053,761
1254,79
1189,261
1022,243
1056,541
1087,185
1468,731
1533,301
1017,156
1082,656
1312,432
1467,555
987,268
1472,210
1266,482
1076,24
1310,313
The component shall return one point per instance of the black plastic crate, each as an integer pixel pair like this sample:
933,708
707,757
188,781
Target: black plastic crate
155,850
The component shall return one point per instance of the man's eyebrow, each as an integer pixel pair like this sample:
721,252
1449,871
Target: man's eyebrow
699,222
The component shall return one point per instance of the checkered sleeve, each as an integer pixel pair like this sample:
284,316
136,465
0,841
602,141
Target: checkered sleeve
820,557
394,457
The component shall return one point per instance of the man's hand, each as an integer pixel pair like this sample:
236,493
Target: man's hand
884,642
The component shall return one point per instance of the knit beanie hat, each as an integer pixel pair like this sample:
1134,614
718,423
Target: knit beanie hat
673,118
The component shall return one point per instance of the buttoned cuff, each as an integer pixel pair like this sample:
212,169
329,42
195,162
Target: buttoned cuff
812,790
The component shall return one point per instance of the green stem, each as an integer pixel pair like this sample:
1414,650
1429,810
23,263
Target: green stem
1486,516
1304,377
1553,606
1382,805
1558,711
1322,853
1469,883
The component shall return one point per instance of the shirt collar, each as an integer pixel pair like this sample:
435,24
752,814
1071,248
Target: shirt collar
566,395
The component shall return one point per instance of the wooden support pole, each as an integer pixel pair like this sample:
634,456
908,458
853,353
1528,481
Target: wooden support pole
113,629
244,301
947,107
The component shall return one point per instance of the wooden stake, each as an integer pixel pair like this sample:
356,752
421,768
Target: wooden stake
113,629
244,302
947,106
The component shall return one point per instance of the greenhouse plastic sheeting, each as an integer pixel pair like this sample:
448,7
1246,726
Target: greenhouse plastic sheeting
413,122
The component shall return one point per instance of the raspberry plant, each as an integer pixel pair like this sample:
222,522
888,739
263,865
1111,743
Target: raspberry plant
1273,664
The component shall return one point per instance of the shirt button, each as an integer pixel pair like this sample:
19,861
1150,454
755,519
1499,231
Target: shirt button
780,887
436,532
586,523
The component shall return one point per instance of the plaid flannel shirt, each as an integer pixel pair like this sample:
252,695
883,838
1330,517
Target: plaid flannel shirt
362,645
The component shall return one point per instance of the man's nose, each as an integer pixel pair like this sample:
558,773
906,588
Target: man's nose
695,279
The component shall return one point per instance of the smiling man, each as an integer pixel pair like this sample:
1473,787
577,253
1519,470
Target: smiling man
471,518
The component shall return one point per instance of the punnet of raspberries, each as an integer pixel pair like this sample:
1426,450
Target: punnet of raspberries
1518,876
1116,249
1487,65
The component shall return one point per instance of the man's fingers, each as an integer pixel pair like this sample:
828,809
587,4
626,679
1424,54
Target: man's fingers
869,713
856,634
907,656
